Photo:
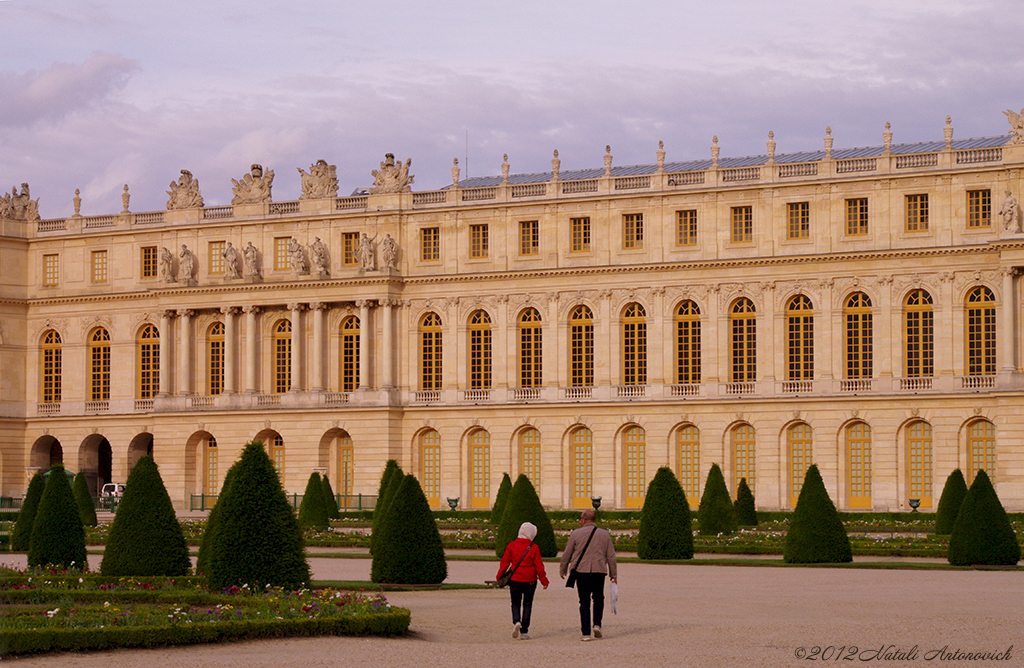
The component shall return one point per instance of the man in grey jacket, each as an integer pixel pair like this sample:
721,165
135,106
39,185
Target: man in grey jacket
597,560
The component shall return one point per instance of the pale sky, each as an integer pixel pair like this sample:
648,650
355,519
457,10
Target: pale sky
98,93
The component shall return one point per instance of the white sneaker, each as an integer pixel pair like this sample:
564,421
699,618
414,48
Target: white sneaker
524,636
586,638
597,632
515,629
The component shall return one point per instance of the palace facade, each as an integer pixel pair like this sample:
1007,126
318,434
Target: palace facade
854,308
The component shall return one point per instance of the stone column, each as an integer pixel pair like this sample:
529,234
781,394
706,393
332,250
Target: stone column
186,316
165,353
229,348
1007,332
316,361
388,382
251,384
296,320
364,343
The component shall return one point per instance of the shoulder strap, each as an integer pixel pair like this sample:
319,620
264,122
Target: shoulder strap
528,548
585,546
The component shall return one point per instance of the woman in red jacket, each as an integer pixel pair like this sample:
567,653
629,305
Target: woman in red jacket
524,581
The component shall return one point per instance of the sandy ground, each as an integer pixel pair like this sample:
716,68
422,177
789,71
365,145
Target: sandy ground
668,616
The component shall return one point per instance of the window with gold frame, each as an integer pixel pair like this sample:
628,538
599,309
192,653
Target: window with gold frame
148,356
530,349
582,468
581,347
478,241
282,261
350,333
51,366
919,335
688,343
859,337
800,458
346,470
350,248
798,215
979,209
430,244
633,230
635,465
529,237
857,217
800,338
211,479
480,351
919,462
981,332
917,213
51,270
743,450
99,365
217,257
634,345
149,262
981,448
430,466
282,356
858,463
529,455
480,468
215,359
742,224
580,231
277,455
686,227
743,344
99,266
688,443
430,352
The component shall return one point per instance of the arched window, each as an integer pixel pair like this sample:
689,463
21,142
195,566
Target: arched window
430,353
688,440
349,353
215,358
277,455
282,356
743,456
981,333
480,468
919,462
634,345
99,365
859,337
743,351
635,451
800,459
981,444
687,343
581,347
430,466
480,351
51,367
582,468
148,355
210,478
920,335
529,455
530,348
346,472
800,338
858,448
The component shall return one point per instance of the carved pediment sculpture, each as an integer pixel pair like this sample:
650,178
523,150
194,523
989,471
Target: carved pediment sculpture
1016,126
166,265
390,252
252,267
296,256
254,186
320,182
1010,211
186,263
19,207
392,178
185,193
318,253
231,258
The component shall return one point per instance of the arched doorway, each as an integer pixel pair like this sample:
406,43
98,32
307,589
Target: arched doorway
140,446
46,452
95,460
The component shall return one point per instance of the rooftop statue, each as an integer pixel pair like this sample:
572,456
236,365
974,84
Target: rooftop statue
392,178
254,186
185,193
320,182
19,207
1016,126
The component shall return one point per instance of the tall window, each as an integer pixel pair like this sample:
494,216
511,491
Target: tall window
688,440
917,213
981,332
478,241
919,462
52,360
148,355
799,220
430,352
981,444
480,351
800,459
580,228
530,349
217,257
99,365
635,450
210,467
859,336
99,266
149,262
350,248
742,224
743,456
480,467
430,244
277,455
529,455
215,359
688,343
582,468
858,446
686,228
743,351
633,230
51,269
857,217
346,469
349,354
919,334
634,346
800,338
979,208
581,347
529,237
282,356
281,259
430,466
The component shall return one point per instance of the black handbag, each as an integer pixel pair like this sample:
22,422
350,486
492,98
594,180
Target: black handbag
506,577
570,581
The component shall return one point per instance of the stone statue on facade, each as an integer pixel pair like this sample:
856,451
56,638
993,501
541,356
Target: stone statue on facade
318,252
19,207
167,265
187,263
392,178
254,186
296,256
389,251
366,254
1016,126
1010,211
185,193
320,182
231,261
252,268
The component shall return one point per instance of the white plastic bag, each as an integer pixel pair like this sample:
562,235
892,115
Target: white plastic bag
615,598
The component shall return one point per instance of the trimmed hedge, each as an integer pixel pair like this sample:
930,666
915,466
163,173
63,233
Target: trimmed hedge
313,509
212,522
86,509
816,534
58,537
27,516
409,550
953,493
982,534
746,510
524,506
391,471
329,499
716,514
665,526
504,489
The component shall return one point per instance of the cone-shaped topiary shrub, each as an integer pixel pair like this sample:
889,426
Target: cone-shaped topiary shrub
746,511
665,530
257,540
58,536
953,493
716,513
982,534
83,499
27,515
410,550
313,509
524,506
330,500
212,522
391,470
816,534
145,538
504,489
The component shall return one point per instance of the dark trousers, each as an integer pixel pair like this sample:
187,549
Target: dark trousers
590,586
522,599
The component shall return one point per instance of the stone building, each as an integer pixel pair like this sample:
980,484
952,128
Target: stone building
855,308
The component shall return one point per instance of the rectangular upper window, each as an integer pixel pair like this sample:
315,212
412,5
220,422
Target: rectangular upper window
430,244
281,262
979,208
149,262
529,237
917,213
799,220
633,230
742,224
99,266
686,228
217,257
857,217
350,248
478,242
580,234
51,269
